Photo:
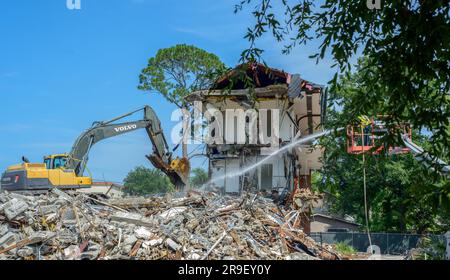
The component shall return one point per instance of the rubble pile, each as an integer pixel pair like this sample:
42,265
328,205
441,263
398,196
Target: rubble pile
69,225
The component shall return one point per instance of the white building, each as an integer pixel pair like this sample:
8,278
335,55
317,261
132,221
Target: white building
293,105
111,190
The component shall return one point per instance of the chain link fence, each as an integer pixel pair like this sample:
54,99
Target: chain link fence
389,243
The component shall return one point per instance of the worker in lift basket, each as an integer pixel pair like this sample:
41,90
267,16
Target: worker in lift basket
366,130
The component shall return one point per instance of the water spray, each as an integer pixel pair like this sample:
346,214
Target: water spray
273,154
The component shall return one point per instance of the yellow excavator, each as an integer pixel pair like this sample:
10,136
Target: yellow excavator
66,171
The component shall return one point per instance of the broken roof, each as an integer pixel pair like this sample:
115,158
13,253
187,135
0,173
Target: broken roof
256,74
332,217
266,81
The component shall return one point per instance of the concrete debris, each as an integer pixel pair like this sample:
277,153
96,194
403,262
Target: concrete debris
48,209
25,252
153,242
7,240
172,244
92,252
14,207
3,229
132,218
300,256
130,240
172,212
67,225
143,233
72,252
66,237
304,199
40,236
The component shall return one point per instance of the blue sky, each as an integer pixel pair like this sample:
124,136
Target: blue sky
62,69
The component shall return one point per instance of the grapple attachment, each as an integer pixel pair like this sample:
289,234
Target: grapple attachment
177,171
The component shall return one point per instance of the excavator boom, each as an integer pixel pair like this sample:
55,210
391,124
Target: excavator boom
161,157
67,170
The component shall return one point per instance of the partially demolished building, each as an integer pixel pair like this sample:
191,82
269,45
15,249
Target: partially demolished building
283,107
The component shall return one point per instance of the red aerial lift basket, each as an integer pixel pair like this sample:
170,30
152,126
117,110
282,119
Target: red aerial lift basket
366,140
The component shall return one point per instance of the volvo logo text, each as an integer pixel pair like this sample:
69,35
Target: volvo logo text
125,128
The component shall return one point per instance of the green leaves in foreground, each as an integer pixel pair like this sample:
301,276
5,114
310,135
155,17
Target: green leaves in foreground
406,43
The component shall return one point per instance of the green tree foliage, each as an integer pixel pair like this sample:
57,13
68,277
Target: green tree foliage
176,71
403,194
142,181
407,44
199,177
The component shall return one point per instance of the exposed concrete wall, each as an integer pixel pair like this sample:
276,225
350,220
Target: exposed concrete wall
308,158
221,167
300,108
279,180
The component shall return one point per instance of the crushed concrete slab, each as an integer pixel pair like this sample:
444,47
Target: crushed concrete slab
25,252
3,229
14,208
48,209
132,218
27,198
143,233
130,240
40,236
92,252
172,212
72,252
61,194
7,240
153,242
172,244
67,237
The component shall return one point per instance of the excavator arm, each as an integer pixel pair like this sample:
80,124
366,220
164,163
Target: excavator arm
177,170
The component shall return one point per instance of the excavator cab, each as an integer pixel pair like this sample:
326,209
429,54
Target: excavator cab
57,161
